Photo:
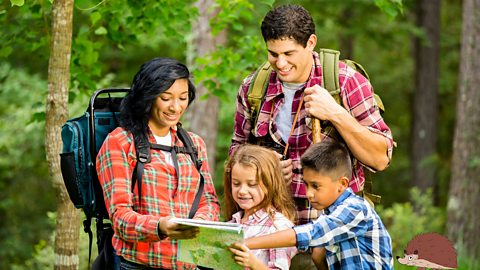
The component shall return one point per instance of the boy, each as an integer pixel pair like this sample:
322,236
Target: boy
350,230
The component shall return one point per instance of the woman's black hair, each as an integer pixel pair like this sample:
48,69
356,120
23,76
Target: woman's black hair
154,77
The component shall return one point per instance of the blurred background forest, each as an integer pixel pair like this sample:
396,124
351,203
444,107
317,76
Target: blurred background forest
411,50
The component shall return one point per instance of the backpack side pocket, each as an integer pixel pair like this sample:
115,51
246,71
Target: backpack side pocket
74,161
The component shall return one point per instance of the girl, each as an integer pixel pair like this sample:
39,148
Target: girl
257,197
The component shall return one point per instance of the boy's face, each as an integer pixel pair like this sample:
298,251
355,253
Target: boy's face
292,62
322,190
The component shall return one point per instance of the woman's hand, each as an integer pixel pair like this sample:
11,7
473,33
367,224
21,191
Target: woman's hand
245,258
176,231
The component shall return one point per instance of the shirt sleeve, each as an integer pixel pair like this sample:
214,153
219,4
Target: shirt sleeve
242,119
114,173
358,98
343,223
280,258
208,208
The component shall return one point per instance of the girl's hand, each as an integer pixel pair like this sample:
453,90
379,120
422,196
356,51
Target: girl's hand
176,231
245,258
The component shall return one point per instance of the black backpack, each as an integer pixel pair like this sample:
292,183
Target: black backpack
82,138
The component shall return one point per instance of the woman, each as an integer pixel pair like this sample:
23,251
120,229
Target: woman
144,236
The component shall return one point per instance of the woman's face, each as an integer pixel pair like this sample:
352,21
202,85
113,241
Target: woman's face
168,107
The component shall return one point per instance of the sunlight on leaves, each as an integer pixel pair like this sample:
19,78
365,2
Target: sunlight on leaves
17,2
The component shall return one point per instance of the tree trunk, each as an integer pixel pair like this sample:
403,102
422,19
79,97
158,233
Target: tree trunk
202,115
425,99
463,225
67,224
346,40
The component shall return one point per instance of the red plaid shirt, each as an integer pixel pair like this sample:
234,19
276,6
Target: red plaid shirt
356,93
163,194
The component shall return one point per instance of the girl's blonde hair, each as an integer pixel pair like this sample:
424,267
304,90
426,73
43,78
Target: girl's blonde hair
269,176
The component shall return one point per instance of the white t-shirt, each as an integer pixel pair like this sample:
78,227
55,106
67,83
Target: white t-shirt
165,140
284,119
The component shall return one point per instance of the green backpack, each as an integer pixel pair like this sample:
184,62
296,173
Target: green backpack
329,60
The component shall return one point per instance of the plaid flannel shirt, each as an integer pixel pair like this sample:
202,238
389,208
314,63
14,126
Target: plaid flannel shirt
357,98
163,194
351,232
260,223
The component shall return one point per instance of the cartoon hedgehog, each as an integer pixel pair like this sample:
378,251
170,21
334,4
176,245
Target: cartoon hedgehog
430,250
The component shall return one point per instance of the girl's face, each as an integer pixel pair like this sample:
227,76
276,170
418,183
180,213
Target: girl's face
246,189
168,107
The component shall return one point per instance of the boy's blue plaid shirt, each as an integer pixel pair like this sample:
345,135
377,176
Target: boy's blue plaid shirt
352,233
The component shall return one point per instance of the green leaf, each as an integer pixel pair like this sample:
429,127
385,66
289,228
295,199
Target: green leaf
17,2
101,31
95,17
38,117
5,51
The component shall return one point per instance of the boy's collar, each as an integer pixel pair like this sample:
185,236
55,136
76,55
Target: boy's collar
345,194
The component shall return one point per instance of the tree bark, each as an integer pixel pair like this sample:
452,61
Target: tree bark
346,40
67,224
463,225
202,116
425,99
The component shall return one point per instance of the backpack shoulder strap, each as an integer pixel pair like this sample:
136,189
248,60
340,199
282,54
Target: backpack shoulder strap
142,147
188,144
329,60
192,151
257,90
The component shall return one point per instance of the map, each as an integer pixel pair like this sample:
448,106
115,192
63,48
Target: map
210,247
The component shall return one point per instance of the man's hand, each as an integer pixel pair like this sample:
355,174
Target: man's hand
287,168
320,104
245,258
176,231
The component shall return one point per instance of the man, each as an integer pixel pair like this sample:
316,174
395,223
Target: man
295,88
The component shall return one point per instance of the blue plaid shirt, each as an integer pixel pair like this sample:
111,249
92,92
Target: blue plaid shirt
351,232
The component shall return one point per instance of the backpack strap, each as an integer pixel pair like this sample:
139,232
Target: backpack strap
142,147
329,60
143,156
192,151
257,90
362,71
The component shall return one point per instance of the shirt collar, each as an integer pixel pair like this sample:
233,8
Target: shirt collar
254,218
347,193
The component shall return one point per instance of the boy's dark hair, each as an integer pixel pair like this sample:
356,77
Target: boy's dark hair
328,157
154,77
288,21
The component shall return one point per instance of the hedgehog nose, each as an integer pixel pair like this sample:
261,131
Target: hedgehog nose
398,257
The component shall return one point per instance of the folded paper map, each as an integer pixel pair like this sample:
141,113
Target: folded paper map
210,247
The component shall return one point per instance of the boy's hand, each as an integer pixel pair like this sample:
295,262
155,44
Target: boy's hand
245,258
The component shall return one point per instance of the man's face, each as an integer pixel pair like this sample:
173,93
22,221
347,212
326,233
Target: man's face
292,62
